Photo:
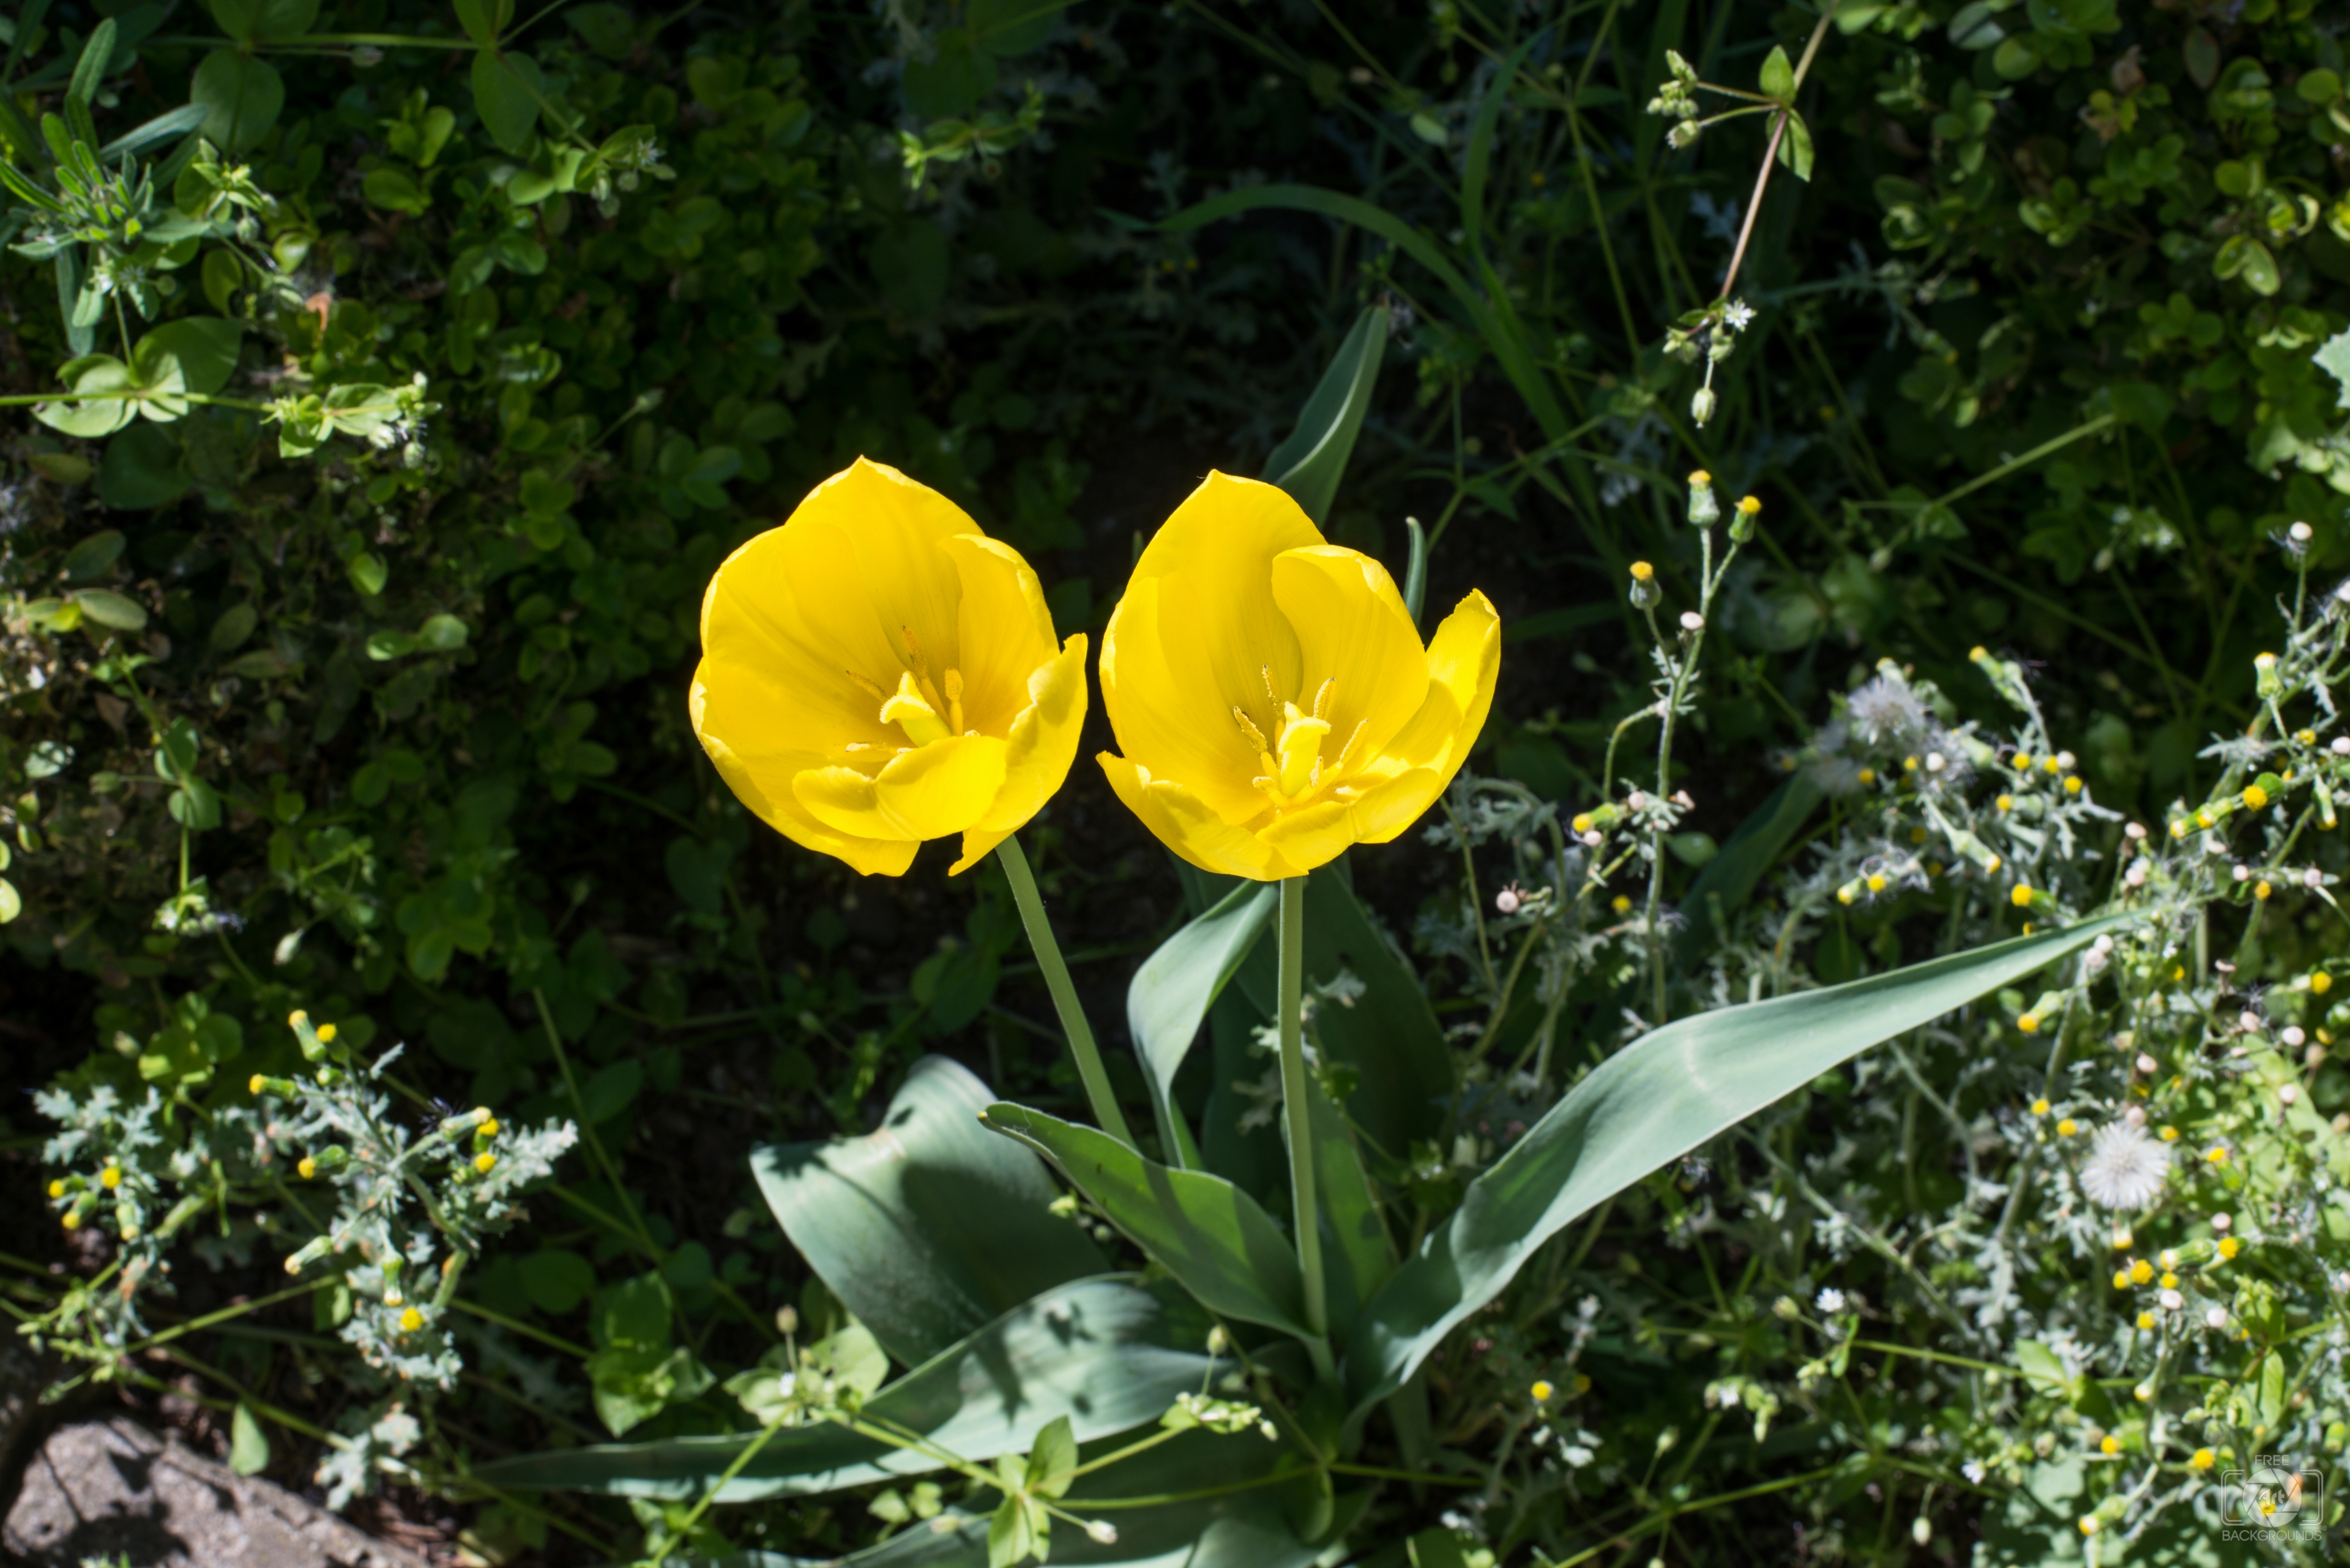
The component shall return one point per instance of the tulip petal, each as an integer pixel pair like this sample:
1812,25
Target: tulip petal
1175,726
1353,629
1170,688
1185,824
1004,630
1037,754
926,793
766,789
1465,658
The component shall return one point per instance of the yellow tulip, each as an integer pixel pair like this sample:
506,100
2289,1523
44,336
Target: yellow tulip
1272,697
876,672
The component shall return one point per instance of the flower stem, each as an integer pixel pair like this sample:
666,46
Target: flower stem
1304,1215
1064,993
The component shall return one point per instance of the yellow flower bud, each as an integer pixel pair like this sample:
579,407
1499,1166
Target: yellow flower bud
1620,904
2320,983
2067,1128
2146,1320
2121,1279
2072,784
1542,1391
1868,775
2005,802
1876,884
2229,1246
326,1033
110,1178
2028,1021
252,1084
1748,505
2040,1106
2261,889
2023,762
2022,896
2216,1154
1642,572
56,1189
489,1127
410,1320
2203,1458
2170,1135
2110,1444
2255,797
309,1167
296,1019
72,1221
2169,1281
2141,1271
485,1163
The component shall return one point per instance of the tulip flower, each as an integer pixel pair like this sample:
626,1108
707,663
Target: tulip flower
877,671
1273,699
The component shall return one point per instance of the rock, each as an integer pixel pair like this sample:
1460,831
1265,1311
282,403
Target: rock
109,1486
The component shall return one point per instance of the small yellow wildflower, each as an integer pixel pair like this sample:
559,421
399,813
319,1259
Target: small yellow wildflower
2261,889
2023,762
1908,764
489,1128
2320,983
2067,1128
485,1163
1642,572
72,1221
2141,1271
2089,1525
2171,1135
2122,1280
2145,1320
2022,897
2028,1021
2072,784
1868,775
2203,1458
1620,904
2230,1246
326,1033
2216,1154
2005,802
2053,764
110,1178
2255,797
1542,1391
1876,883
410,1320
1582,823
2170,1282
296,1019
2110,1444
2039,1107
56,1188
1748,505
252,1084
309,1167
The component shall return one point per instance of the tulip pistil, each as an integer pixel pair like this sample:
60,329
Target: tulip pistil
916,710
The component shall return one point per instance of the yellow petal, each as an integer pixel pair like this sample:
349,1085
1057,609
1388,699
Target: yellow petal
1004,630
1175,726
1465,658
926,793
1171,678
1042,746
1353,629
1183,823
763,784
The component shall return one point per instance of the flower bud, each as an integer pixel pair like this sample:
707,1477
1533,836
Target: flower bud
2266,681
1645,590
1704,511
1742,522
1703,403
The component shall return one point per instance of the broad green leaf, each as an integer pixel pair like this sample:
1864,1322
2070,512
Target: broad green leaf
1778,76
1652,1102
236,625
1213,1238
1170,994
556,1279
1310,464
248,1445
109,608
93,555
951,82
441,634
1730,878
11,904
1358,1254
931,1227
264,21
1094,1350
205,346
242,97
92,379
1795,147
394,191
484,20
1052,1458
505,94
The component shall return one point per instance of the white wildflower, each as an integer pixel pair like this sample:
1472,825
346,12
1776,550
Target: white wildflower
2124,1168
1830,1300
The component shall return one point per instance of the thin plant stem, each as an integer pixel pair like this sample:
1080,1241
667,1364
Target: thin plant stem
1306,1216
685,1526
587,1126
1039,927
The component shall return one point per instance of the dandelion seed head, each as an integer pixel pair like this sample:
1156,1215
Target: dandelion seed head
2124,1168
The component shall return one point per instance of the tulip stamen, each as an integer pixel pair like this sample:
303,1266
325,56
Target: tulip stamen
954,700
868,687
1255,736
1346,753
1322,698
1271,694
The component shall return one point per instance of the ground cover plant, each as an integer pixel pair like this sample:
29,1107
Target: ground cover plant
1837,1065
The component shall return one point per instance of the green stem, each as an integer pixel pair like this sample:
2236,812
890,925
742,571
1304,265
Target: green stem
587,1126
1304,1215
685,1526
1014,861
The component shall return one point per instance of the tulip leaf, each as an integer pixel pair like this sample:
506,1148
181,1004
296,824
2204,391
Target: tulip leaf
1358,1253
1652,1102
1387,1036
1213,1238
1172,991
1309,464
1232,1511
930,1227
1093,1350
1730,878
